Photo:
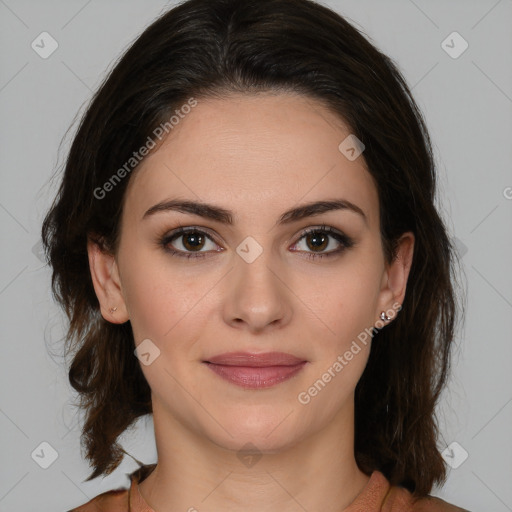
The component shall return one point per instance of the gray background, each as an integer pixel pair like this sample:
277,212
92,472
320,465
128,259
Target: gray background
467,104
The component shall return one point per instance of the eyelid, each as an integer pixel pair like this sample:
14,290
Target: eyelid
320,227
180,230
343,240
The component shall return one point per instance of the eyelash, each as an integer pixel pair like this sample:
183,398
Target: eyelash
345,241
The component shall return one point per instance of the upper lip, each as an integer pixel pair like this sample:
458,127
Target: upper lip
255,360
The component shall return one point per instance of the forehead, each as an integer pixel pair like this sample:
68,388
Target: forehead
256,155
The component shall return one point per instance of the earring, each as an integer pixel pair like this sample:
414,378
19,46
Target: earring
384,317
112,310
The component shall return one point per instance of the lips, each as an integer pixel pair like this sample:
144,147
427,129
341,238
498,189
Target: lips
255,371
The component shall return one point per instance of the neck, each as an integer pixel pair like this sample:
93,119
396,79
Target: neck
194,474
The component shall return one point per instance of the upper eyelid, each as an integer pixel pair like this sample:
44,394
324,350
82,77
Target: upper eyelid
183,230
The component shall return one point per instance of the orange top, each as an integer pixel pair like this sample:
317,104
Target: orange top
377,496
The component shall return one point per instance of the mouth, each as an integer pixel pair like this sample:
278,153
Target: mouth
255,371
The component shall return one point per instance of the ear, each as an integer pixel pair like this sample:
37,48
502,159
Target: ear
394,279
107,284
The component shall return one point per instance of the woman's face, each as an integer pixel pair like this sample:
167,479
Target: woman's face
258,283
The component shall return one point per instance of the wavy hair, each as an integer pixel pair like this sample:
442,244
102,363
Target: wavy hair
210,48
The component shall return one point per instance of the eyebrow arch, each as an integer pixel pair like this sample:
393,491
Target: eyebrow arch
224,216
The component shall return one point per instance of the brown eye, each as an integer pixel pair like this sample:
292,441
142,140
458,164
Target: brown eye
193,240
188,243
317,240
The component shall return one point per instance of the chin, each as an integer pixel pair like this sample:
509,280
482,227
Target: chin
256,442
268,429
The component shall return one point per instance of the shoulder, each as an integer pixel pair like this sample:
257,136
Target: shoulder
110,501
401,500
117,500
431,504
380,496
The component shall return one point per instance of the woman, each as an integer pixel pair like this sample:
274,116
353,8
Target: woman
246,244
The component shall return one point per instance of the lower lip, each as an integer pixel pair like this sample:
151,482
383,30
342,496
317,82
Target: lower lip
256,377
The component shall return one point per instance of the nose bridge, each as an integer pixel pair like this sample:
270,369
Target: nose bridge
257,294
256,267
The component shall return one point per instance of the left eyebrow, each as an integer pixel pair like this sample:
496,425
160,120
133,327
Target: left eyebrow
224,216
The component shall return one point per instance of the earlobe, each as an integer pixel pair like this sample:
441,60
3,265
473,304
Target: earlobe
107,284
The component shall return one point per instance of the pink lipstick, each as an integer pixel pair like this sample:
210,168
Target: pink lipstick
255,371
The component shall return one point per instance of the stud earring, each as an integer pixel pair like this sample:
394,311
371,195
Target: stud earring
112,310
384,317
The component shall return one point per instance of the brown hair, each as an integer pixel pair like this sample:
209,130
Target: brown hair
204,48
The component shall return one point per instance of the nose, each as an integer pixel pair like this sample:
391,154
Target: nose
257,297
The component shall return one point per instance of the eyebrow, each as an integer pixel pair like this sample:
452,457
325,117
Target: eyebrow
224,216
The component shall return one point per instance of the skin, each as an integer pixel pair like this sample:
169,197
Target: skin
257,155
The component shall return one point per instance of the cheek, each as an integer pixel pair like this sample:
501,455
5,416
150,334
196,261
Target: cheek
152,294
345,302
165,304
346,307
